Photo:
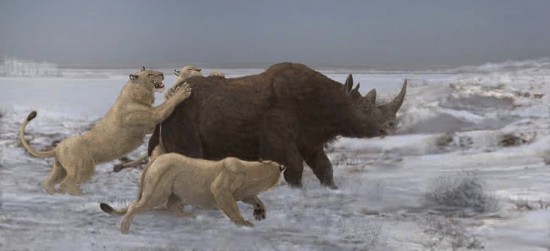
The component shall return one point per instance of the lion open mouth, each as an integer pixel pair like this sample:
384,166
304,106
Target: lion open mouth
158,84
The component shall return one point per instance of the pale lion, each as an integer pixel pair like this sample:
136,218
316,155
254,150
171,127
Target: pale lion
202,183
187,72
120,131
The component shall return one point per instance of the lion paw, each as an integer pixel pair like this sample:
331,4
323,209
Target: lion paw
259,214
185,215
217,75
170,93
51,189
182,92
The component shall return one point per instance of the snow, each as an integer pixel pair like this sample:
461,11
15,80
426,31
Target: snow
484,119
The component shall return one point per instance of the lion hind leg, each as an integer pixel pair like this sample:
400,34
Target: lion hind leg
133,210
56,176
80,169
70,182
150,197
174,205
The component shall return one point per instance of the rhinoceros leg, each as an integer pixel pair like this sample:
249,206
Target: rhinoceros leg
288,156
322,168
295,166
278,145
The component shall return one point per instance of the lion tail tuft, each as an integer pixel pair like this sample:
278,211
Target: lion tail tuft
31,116
110,210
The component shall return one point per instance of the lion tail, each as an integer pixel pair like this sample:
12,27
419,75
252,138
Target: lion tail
26,145
119,167
110,210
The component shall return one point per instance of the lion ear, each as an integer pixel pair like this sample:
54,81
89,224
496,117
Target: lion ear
133,78
143,68
260,160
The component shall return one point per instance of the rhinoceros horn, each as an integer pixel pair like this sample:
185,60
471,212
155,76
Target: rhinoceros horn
396,103
348,84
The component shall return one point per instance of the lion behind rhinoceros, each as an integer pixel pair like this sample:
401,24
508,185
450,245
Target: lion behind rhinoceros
286,114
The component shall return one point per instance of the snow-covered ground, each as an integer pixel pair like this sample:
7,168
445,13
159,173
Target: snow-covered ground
491,121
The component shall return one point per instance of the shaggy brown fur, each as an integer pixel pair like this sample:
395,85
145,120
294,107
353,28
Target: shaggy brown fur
286,114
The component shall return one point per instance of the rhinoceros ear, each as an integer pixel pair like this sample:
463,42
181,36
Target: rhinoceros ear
371,97
133,78
348,85
355,90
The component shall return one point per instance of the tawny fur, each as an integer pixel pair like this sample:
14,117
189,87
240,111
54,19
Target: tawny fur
120,131
202,183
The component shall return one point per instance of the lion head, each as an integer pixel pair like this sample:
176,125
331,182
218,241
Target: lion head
143,84
271,172
187,72
148,79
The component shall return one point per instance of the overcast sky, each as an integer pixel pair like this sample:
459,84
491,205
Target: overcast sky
381,34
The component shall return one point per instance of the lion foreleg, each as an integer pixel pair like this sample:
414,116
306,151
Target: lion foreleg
259,207
161,112
222,188
139,119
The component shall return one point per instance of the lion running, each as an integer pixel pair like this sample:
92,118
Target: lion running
120,131
202,183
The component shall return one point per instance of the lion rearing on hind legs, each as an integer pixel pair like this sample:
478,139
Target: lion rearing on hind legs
119,132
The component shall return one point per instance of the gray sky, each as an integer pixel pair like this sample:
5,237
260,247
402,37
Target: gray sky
403,34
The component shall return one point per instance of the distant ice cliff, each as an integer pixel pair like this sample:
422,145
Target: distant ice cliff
12,67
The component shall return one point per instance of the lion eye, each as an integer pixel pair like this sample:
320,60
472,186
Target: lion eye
150,74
